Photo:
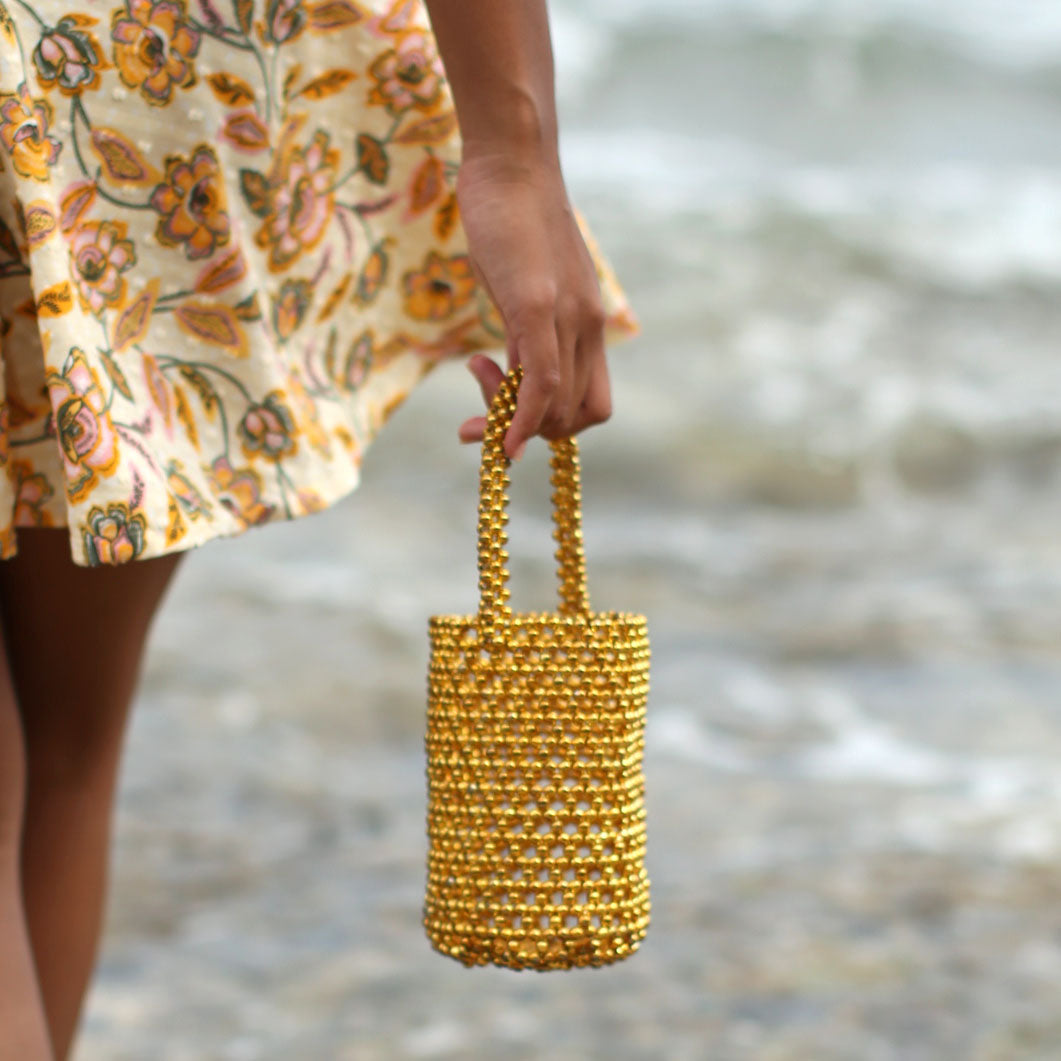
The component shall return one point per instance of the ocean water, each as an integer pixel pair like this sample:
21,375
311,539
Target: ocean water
831,482
855,205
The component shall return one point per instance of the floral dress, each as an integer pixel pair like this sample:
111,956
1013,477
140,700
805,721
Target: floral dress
229,249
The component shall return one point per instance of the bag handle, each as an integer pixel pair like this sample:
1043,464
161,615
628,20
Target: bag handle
493,515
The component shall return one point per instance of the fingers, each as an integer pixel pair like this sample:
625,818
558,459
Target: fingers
584,351
489,375
596,401
538,347
472,430
580,340
565,385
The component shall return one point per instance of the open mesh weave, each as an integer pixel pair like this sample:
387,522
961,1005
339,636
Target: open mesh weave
535,738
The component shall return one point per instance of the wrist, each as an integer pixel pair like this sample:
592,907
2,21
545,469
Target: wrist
515,126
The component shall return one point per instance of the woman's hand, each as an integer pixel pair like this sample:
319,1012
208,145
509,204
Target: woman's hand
525,245
528,253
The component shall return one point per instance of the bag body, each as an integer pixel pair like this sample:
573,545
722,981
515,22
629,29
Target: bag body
536,816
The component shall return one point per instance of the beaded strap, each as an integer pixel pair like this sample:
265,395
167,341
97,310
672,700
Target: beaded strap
494,481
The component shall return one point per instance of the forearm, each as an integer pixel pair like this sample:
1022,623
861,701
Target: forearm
499,62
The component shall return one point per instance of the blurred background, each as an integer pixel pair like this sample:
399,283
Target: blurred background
830,482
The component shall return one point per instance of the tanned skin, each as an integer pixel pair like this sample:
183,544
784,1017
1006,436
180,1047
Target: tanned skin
525,244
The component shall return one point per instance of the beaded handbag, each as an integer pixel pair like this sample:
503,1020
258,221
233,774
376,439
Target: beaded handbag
535,738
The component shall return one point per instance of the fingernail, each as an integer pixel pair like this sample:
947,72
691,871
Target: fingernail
519,451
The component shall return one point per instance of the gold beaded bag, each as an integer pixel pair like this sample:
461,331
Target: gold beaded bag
535,739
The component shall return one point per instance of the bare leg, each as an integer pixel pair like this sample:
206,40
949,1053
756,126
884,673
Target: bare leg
75,639
23,1030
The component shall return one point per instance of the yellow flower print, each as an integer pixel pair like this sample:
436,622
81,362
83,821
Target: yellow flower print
441,288
24,125
191,203
295,200
239,491
408,75
154,46
99,254
114,536
87,437
268,429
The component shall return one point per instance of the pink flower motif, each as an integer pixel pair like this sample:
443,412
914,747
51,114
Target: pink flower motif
69,57
100,253
299,201
268,429
408,75
284,20
114,536
87,437
240,492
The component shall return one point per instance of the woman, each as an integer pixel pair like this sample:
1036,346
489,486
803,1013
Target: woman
234,236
